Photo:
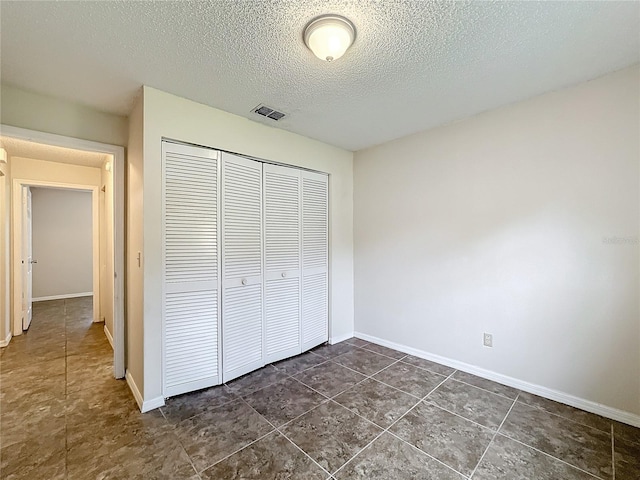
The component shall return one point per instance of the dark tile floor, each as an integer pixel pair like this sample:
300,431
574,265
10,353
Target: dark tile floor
348,411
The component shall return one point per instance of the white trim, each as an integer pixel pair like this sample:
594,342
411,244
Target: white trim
62,297
107,333
145,406
5,342
341,338
562,397
118,227
95,235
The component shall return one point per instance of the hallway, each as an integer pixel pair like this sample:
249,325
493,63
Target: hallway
61,411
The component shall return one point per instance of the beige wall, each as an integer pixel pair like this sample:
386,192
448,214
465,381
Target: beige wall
25,109
5,215
176,118
62,242
503,224
135,279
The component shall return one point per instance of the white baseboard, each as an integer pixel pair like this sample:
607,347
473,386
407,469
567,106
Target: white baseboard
107,334
144,406
556,395
341,338
62,297
5,341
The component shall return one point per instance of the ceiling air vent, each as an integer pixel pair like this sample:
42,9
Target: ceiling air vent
268,112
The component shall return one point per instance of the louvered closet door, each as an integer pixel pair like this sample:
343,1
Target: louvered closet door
190,290
315,259
282,229
242,325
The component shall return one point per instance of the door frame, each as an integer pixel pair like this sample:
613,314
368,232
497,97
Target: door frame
118,169
18,241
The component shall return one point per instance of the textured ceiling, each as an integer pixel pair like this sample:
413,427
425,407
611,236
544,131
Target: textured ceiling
23,148
414,64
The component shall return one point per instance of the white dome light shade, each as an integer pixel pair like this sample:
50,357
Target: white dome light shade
329,36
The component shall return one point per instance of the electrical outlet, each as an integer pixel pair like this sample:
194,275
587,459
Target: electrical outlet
488,340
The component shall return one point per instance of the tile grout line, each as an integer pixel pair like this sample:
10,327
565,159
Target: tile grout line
175,433
312,389
428,455
396,360
288,375
395,388
403,360
494,436
366,377
235,397
364,347
613,454
549,455
234,452
226,384
277,429
462,381
485,390
305,453
362,449
331,399
565,417
66,368
288,422
177,436
384,355
243,447
292,375
458,415
386,430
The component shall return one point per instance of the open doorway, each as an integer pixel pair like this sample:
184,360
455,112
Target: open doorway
83,180
57,246
61,251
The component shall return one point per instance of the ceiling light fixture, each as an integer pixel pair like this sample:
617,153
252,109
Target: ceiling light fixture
329,36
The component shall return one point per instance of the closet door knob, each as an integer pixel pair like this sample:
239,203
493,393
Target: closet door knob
244,281
284,274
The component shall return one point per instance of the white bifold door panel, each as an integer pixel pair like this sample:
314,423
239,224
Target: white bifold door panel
315,259
282,260
242,277
190,288
245,256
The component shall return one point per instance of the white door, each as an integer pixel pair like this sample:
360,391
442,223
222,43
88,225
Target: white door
27,259
282,244
315,259
190,241
242,325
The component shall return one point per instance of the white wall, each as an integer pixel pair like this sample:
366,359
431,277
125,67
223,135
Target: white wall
176,118
25,109
62,242
499,224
